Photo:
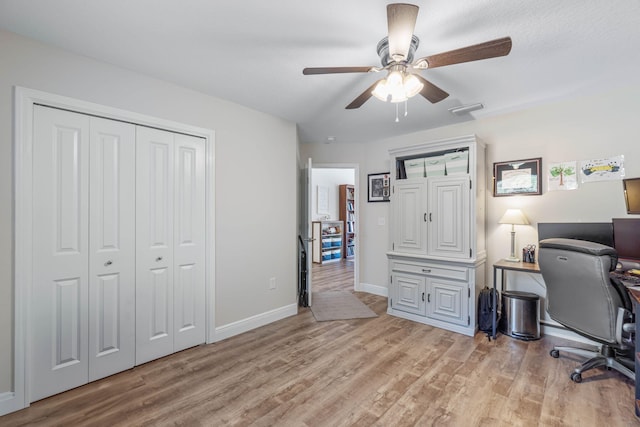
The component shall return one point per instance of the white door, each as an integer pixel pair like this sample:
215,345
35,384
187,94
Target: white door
170,247
59,294
410,217
112,248
189,242
154,244
449,218
309,224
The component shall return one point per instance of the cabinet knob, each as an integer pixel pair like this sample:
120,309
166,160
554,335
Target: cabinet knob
108,263
159,259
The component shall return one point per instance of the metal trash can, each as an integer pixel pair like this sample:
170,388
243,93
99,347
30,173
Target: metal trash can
520,315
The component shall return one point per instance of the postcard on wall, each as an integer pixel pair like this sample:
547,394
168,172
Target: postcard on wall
602,169
563,176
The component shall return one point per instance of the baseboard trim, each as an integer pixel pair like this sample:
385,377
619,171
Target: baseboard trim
382,291
253,322
9,403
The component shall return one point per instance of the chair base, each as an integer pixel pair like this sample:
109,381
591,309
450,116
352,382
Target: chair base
605,356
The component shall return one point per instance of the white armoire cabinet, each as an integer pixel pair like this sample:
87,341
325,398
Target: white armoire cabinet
437,248
118,238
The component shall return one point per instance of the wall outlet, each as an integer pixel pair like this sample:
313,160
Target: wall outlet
272,283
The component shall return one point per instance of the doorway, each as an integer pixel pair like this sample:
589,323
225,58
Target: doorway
334,197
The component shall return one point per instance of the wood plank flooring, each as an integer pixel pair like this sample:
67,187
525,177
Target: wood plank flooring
383,371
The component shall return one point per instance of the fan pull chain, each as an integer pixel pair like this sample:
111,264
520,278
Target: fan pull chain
397,119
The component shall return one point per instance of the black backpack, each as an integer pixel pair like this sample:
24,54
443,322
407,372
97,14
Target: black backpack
485,309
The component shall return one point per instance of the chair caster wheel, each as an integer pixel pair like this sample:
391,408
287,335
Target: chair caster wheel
554,353
576,377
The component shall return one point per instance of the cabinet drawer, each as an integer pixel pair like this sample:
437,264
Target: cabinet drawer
450,272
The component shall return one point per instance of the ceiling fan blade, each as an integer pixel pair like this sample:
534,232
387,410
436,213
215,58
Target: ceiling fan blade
362,98
336,70
430,91
490,49
401,21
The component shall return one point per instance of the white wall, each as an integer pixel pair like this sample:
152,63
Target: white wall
329,178
255,168
597,126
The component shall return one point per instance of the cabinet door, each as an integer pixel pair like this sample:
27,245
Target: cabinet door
409,218
449,217
448,300
408,293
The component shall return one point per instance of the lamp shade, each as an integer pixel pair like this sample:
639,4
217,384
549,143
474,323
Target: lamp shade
513,216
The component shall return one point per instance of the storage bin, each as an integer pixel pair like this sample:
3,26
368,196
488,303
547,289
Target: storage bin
457,163
520,315
434,166
326,256
336,253
414,168
336,241
326,243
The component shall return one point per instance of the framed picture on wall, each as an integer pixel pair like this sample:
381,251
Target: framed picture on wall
517,177
379,187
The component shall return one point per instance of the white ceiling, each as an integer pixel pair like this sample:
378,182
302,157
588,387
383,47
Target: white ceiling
252,52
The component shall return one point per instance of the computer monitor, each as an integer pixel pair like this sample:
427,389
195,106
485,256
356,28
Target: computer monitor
599,232
626,237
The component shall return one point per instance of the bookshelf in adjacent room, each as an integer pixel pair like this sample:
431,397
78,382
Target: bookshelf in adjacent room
348,216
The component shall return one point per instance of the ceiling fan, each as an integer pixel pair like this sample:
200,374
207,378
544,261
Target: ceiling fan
396,53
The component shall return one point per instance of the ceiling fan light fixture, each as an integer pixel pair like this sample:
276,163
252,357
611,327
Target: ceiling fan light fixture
380,91
412,86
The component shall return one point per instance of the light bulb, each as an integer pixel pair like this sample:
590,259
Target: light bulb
412,86
380,91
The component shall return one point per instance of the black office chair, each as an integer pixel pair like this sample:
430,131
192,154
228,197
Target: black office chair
583,297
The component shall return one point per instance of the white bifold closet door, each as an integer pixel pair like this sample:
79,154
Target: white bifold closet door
119,243
82,311
170,232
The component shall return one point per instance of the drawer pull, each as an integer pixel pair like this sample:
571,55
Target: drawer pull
428,297
426,270
423,296
425,217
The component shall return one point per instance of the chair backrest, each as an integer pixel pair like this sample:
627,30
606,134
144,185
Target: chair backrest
580,293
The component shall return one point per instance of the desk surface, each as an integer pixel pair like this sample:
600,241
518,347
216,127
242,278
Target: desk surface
517,266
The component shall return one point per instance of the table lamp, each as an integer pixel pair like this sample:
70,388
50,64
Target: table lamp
513,217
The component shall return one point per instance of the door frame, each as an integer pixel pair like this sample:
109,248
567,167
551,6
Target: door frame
24,101
356,172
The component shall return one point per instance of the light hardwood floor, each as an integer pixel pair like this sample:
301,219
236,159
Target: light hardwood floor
383,371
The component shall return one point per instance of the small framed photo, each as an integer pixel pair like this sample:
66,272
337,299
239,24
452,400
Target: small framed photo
379,187
517,177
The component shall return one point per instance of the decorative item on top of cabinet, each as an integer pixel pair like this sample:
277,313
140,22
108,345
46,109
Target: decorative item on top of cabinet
327,241
437,240
347,198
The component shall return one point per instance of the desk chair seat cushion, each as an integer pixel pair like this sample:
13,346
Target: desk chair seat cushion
580,293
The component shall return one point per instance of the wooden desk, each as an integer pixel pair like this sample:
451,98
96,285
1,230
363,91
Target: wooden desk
635,297
502,265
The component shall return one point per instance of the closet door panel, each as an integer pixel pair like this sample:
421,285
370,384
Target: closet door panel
59,293
189,232
112,240
154,244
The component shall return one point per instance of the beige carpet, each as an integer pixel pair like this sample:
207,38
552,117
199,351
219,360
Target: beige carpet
338,305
